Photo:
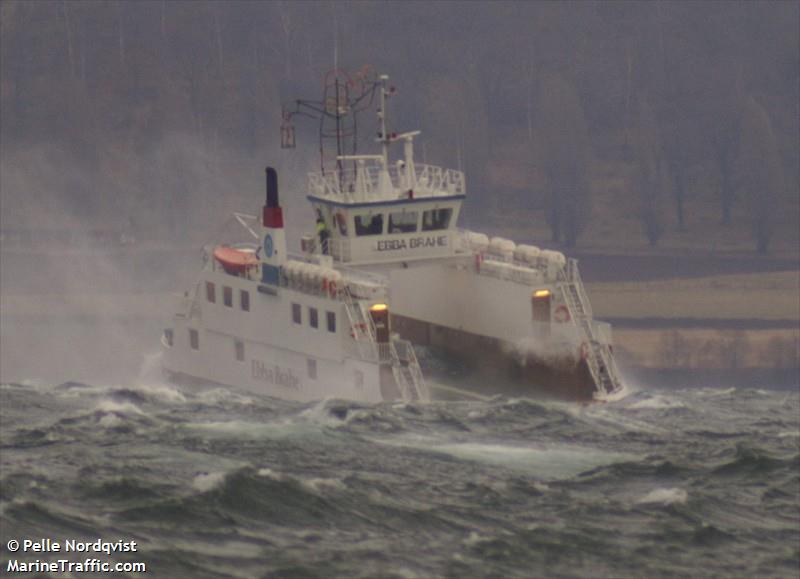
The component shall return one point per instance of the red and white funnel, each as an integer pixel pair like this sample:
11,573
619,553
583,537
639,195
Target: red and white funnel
273,250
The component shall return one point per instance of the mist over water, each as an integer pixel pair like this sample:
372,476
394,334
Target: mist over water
218,483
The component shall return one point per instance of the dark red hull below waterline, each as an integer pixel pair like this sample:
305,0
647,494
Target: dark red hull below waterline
495,368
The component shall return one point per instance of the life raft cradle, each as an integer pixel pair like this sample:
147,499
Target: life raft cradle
599,357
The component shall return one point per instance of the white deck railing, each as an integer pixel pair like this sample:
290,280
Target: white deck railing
365,182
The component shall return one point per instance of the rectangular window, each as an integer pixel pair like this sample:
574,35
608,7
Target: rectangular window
194,339
369,224
331,316
238,347
168,336
211,294
436,219
313,318
227,296
297,316
244,300
403,222
312,368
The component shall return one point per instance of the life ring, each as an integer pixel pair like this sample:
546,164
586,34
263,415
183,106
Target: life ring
561,314
362,327
332,289
584,351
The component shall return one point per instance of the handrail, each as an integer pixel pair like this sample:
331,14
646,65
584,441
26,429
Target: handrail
570,278
398,353
574,276
365,182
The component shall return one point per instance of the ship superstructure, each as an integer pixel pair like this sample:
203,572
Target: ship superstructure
387,268
296,327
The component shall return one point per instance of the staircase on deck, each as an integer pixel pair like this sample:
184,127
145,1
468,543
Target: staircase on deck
599,357
397,353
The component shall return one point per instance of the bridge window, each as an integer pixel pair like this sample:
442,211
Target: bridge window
238,347
244,300
312,368
211,294
297,314
369,224
403,222
436,219
313,317
168,336
227,296
194,339
331,318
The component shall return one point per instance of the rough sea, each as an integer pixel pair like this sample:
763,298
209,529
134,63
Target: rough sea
700,482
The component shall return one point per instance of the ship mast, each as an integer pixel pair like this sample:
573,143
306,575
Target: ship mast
383,138
344,97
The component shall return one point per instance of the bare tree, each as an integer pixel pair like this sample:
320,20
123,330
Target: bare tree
760,171
564,149
651,170
68,30
120,35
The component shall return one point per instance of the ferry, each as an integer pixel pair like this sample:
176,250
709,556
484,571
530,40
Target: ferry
385,277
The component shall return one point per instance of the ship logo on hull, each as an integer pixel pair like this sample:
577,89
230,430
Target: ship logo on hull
274,375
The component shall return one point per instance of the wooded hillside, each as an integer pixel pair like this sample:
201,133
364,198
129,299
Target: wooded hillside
640,123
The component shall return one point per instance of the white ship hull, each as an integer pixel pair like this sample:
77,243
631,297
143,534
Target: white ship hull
278,357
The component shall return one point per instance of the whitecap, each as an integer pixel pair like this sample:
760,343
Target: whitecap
664,496
621,394
718,391
313,485
220,395
160,391
475,539
320,414
789,434
208,480
545,462
270,474
657,402
246,430
319,485
110,421
114,407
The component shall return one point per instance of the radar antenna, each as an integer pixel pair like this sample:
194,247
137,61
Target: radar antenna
344,96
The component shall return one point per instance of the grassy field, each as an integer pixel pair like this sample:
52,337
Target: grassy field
708,348
674,341
760,296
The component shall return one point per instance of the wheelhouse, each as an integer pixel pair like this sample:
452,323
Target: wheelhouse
392,230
